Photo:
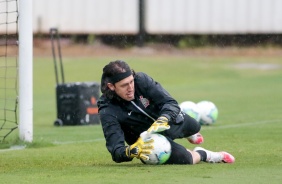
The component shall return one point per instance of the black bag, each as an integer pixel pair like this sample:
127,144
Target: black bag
76,102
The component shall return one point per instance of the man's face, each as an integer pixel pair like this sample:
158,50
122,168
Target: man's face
124,88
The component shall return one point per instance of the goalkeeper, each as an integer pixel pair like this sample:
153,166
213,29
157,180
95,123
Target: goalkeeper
132,103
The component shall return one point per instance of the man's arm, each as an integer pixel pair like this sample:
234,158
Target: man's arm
114,136
169,107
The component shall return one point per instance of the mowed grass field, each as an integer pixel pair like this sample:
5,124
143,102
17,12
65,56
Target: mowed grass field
246,89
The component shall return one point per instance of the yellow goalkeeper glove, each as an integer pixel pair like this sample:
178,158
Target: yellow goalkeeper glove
161,124
140,149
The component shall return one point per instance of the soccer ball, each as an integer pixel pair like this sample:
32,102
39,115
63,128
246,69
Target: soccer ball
208,111
191,109
161,151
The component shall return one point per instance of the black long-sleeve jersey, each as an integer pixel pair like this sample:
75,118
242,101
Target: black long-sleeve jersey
123,122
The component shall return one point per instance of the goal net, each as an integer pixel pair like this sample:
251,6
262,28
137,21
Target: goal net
8,67
16,105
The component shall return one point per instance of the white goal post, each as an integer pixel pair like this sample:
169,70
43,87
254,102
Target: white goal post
25,71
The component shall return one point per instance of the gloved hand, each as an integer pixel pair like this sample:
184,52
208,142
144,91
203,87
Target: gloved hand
161,124
140,149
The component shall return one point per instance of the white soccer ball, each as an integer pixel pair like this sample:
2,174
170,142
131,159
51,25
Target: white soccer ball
161,151
208,111
191,109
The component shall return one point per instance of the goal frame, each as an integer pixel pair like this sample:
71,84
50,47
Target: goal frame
25,31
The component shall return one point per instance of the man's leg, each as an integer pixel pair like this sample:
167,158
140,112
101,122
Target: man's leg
196,138
188,128
214,157
180,155
196,156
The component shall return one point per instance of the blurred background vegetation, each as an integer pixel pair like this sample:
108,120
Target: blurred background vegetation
177,41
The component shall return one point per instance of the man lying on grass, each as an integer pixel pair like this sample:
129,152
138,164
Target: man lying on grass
132,103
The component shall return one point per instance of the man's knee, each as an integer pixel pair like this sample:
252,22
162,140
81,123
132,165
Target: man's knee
191,126
179,155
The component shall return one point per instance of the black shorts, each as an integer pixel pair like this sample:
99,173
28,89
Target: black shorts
189,126
179,154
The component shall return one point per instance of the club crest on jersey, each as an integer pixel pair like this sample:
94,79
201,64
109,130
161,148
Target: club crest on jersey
144,101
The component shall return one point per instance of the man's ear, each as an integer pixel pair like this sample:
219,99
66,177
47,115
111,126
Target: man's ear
111,86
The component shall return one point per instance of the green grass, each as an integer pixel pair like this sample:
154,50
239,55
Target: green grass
249,124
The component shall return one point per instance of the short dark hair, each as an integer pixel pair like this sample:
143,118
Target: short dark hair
110,70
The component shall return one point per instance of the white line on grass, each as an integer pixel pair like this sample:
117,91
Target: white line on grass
12,148
76,142
210,128
21,147
245,124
